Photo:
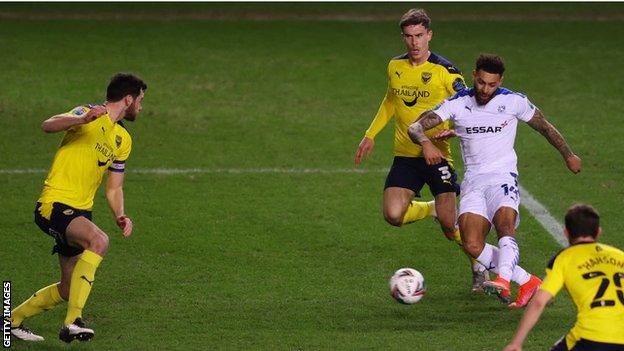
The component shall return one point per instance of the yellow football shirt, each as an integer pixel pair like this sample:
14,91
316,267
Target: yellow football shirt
593,274
413,90
85,153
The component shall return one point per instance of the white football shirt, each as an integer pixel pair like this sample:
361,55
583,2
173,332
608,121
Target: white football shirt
487,133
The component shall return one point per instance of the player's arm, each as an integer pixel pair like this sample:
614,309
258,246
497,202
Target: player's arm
529,319
416,132
540,124
65,121
115,197
384,114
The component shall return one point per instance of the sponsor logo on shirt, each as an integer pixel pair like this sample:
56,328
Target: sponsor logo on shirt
483,129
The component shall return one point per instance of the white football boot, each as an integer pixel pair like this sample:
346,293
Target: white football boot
23,333
76,331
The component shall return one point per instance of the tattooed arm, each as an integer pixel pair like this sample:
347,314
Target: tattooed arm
540,124
416,132
427,120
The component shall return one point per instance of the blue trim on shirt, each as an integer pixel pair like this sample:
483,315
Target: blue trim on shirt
505,91
466,92
401,57
439,60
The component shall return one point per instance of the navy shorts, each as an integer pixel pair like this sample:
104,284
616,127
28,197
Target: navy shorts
587,345
56,226
413,173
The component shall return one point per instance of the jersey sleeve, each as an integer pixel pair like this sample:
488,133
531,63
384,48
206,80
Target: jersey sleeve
554,276
78,112
524,108
125,147
383,116
454,83
446,109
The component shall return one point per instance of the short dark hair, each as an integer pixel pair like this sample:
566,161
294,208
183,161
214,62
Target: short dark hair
122,84
582,220
415,17
490,63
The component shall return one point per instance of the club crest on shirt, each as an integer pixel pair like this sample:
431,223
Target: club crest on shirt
426,77
118,140
501,108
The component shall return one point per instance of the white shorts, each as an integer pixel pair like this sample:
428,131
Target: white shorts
484,194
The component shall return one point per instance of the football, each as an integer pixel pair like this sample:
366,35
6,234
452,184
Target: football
407,286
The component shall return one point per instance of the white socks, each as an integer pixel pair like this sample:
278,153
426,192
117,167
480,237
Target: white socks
490,258
508,256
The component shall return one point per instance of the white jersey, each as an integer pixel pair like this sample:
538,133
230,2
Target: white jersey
487,133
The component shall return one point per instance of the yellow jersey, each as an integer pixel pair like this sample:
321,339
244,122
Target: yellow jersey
85,153
413,90
593,274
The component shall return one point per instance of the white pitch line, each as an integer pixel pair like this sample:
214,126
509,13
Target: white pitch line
539,212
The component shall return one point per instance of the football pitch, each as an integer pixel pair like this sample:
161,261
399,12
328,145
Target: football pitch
253,228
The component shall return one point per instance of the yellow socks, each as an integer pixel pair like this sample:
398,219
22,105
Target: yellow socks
40,301
81,280
417,210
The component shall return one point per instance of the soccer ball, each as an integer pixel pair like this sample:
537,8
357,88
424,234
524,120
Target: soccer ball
407,286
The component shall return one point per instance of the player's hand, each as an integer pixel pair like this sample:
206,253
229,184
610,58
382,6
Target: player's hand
574,163
125,223
513,347
364,149
445,134
432,154
93,114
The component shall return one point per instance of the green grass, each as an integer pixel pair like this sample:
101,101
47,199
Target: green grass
290,261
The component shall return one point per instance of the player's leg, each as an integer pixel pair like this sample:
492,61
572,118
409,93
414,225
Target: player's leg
44,299
81,232
67,264
396,202
505,223
47,297
474,228
446,213
402,184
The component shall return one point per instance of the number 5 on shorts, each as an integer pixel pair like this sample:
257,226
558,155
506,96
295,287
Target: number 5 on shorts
445,173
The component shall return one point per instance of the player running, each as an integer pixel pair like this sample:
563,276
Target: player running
417,81
95,141
593,274
485,119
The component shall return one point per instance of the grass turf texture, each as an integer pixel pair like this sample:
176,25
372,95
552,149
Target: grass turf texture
289,261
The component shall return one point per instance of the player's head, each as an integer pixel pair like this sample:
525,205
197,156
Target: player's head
487,77
127,89
582,221
416,34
